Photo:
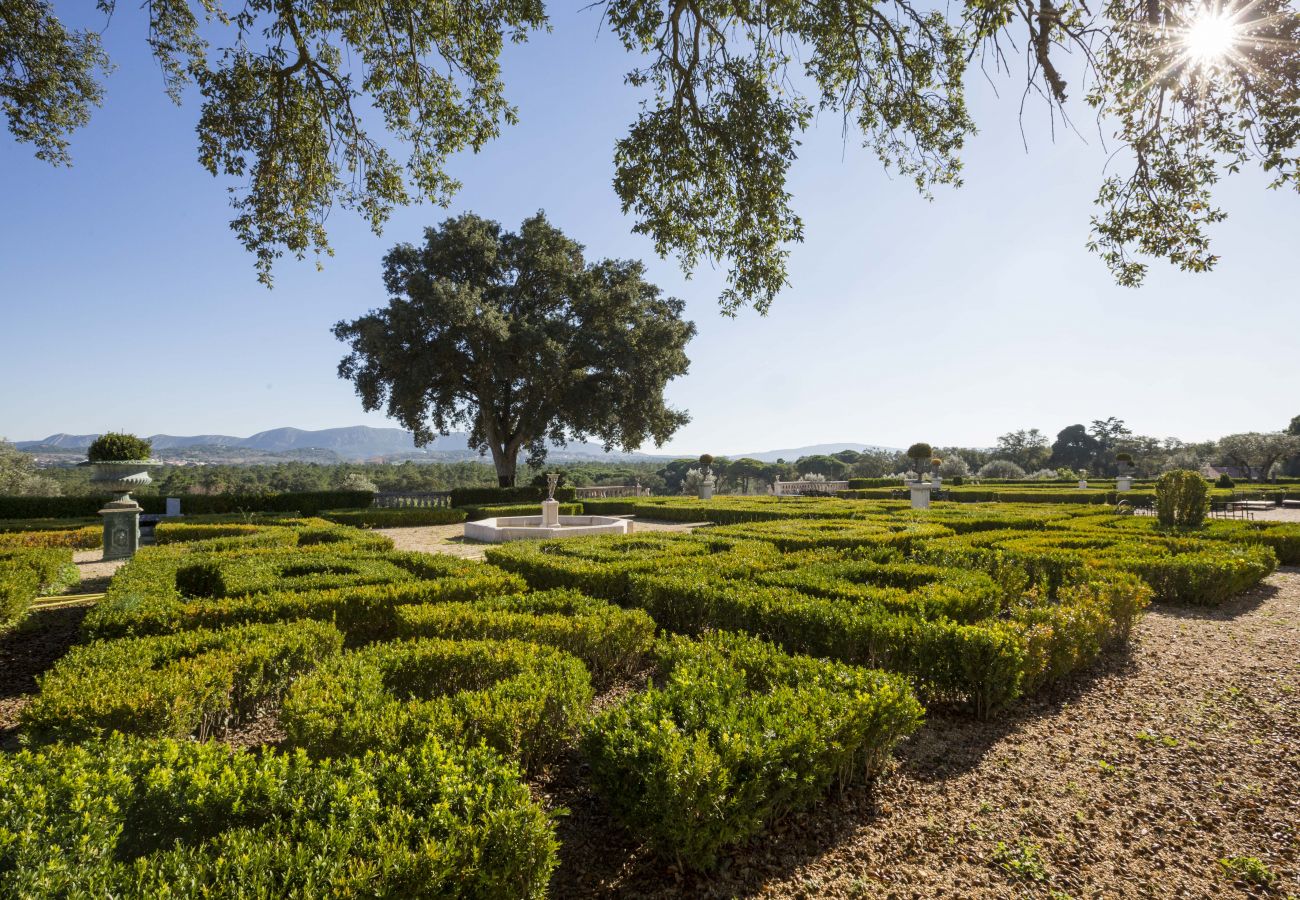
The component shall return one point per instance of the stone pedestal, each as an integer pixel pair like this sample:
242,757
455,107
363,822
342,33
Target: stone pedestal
706,488
920,494
173,507
936,481
1124,483
121,528
1083,484
550,513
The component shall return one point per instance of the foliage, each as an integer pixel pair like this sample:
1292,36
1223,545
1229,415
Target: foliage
1026,448
919,453
1225,481
611,642
194,683
116,445
1182,499
740,734
954,467
516,338
1001,468
87,537
474,513
496,496
1256,453
398,517
1074,448
19,476
26,573
131,818
521,699
355,481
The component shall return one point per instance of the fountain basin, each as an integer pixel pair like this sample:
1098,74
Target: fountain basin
523,528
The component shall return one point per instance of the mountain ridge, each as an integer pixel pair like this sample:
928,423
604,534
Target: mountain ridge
366,442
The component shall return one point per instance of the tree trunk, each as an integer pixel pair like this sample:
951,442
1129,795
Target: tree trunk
505,464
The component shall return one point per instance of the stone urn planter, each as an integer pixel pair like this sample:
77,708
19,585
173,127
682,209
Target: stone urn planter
122,513
1124,483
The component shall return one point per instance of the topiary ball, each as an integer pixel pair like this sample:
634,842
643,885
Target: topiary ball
118,446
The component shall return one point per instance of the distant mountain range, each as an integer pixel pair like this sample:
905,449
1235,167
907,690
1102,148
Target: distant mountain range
361,442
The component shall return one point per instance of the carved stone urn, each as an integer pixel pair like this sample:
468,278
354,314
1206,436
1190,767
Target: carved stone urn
122,513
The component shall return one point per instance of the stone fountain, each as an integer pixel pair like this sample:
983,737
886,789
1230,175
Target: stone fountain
550,524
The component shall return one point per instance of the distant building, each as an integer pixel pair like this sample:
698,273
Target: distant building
1236,473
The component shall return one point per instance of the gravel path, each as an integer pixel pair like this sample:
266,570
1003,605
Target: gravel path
1133,781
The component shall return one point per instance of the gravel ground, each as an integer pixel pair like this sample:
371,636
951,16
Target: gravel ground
1131,781
95,571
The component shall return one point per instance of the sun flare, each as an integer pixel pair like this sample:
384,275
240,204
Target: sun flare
1211,36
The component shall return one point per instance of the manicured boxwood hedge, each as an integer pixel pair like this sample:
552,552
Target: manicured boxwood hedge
159,818
277,532
405,517
611,641
738,735
194,683
305,502
475,513
143,598
85,537
809,534
27,573
483,496
1184,571
521,699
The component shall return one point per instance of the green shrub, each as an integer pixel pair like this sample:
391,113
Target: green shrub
800,534
1225,481
143,598
740,734
403,517
521,699
194,683
292,570
130,818
117,446
88,537
1182,499
612,642
484,496
475,513
26,574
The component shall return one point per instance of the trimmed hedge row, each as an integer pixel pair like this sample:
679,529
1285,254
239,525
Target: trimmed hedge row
1282,537
26,574
611,641
404,517
522,700
475,513
601,567
1193,572
143,598
984,665
305,502
130,818
277,532
738,735
87,537
195,683
858,534
482,496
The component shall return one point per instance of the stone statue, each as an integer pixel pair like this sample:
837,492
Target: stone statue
552,479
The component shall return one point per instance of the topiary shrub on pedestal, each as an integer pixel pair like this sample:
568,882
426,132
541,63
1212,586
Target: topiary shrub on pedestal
1182,499
117,446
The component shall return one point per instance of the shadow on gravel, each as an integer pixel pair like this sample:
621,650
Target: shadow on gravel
26,652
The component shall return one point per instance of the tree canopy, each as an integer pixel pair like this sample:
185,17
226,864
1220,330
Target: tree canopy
515,337
289,88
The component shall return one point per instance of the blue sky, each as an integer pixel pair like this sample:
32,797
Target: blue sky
128,304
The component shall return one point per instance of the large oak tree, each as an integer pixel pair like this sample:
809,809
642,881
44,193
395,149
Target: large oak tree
516,338
291,87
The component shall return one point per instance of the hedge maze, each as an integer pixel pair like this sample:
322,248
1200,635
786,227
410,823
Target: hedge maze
746,669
